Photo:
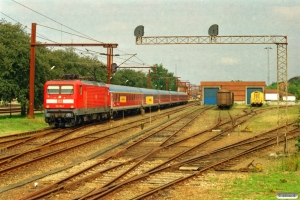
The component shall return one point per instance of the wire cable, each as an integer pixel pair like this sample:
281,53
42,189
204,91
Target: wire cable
56,21
87,37
68,33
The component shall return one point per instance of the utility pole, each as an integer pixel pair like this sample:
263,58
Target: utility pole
268,48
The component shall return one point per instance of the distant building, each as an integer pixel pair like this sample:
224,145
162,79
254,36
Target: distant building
272,95
241,90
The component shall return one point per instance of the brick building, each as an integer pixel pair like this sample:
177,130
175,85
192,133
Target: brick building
241,90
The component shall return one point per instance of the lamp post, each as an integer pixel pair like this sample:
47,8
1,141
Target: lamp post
268,48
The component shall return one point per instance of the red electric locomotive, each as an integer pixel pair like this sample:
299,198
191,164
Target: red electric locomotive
70,101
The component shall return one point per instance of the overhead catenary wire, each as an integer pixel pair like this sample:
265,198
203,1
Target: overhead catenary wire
40,35
98,54
86,37
68,33
56,21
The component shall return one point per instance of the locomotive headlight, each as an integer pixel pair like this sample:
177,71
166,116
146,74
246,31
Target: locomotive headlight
68,114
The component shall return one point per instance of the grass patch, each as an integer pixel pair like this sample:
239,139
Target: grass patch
290,163
268,120
18,124
282,178
264,186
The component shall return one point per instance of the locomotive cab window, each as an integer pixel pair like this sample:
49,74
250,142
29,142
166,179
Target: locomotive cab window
53,89
67,89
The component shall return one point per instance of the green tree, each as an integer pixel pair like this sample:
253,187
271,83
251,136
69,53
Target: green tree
14,63
69,62
15,66
158,78
294,86
273,86
130,77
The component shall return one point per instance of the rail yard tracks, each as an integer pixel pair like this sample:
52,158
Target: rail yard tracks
28,150
154,160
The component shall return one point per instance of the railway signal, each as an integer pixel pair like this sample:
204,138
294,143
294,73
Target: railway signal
114,68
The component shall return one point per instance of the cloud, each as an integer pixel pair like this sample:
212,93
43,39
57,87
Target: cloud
288,12
228,61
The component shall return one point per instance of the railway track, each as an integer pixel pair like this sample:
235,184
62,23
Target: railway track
164,150
61,143
134,163
157,179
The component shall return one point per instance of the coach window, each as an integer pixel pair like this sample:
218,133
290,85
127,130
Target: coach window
53,89
67,89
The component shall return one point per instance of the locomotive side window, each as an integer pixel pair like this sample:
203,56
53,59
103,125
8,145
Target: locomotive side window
67,89
80,89
53,89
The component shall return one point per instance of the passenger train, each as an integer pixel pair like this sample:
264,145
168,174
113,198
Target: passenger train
72,101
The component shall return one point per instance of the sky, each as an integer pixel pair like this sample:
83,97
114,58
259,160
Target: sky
114,21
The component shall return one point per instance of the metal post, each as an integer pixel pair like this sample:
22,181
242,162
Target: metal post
268,48
10,109
109,62
149,82
167,83
32,71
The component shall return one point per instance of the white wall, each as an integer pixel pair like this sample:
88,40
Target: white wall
271,97
289,98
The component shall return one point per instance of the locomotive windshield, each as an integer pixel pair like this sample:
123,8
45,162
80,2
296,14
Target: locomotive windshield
67,89
63,89
53,89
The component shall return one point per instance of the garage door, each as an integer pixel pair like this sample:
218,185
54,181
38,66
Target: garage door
210,96
249,91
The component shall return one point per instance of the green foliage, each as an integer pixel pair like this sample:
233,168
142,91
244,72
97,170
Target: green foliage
293,87
130,77
263,186
14,62
158,78
273,86
291,163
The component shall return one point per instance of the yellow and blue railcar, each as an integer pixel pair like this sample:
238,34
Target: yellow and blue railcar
257,98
